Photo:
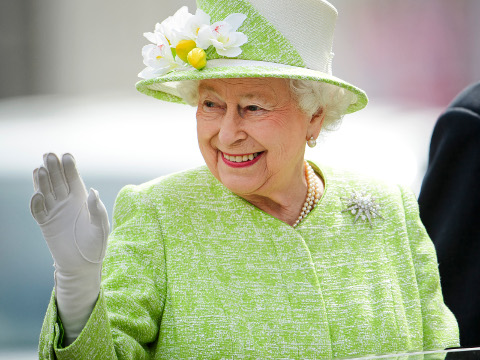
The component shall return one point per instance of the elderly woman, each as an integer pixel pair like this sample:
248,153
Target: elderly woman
258,254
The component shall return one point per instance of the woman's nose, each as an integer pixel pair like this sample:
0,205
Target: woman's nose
231,128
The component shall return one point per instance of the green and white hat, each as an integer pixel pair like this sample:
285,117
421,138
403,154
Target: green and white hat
243,39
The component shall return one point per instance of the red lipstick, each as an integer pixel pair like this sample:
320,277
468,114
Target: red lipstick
240,164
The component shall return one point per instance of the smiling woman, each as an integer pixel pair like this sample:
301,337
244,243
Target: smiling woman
260,253
260,118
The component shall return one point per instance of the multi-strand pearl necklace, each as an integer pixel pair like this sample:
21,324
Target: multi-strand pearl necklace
313,193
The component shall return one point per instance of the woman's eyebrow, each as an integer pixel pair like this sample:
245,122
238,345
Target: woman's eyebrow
207,88
248,96
259,96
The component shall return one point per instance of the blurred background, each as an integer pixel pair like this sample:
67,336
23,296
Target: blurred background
67,75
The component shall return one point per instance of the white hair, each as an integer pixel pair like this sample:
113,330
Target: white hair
311,96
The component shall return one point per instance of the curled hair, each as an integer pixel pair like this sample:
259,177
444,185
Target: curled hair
188,90
311,96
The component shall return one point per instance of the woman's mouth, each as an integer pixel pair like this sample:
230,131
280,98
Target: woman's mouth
241,160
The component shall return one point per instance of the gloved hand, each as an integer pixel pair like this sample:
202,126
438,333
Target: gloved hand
75,226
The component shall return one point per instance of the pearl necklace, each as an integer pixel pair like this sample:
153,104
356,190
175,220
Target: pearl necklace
313,193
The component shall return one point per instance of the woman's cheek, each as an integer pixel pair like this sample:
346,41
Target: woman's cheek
206,134
206,130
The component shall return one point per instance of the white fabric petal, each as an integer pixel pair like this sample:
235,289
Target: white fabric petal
238,39
229,52
202,17
176,36
181,17
182,66
148,52
195,23
165,26
163,42
150,37
152,63
173,27
162,71
221,27
146,73
181,13
167,56
217,44
204,37
235,20
146,49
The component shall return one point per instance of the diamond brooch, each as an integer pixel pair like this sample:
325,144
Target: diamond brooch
363,206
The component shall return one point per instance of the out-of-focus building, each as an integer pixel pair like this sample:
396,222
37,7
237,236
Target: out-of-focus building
415,51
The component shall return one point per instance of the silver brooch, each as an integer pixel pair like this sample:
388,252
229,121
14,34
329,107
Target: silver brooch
363,206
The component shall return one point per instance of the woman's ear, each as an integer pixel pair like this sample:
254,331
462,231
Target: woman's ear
316,121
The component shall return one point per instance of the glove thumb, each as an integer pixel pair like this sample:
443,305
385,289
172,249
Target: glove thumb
98,212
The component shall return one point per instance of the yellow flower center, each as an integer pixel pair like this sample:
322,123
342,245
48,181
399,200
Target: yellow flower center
184,47
197,58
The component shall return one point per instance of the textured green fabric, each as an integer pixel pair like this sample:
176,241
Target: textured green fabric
265,43
194,271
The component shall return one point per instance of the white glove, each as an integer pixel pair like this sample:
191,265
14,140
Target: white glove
75,226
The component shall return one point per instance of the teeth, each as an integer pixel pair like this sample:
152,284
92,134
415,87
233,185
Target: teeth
238,158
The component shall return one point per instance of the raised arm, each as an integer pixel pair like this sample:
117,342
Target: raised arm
75,226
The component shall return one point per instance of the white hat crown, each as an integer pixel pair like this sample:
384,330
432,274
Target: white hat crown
288,32
307,24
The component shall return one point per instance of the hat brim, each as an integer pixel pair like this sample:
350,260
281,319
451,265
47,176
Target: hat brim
164,87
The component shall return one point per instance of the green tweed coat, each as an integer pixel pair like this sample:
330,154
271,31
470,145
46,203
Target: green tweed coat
195,272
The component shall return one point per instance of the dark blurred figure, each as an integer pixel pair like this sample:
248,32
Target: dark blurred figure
450,208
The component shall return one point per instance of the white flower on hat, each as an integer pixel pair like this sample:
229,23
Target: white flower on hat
181,26
157,57
223,36
178,42
195,23
172,27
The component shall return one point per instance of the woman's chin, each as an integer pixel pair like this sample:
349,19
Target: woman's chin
240,185
240,178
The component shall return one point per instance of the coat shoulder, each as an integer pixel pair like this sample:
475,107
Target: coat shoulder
182,189
187,180
345,180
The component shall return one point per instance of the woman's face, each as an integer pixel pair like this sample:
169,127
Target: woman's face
252,134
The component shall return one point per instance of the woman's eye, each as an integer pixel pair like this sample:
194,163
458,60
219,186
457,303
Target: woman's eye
253,108
209,104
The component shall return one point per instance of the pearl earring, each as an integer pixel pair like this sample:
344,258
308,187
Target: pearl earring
312,142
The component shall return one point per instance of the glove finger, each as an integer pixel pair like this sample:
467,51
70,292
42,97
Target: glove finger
35,180
37,208
75,183
98,212
44,186
57,178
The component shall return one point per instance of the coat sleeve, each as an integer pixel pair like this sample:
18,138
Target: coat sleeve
126,319
440,329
